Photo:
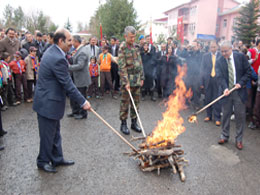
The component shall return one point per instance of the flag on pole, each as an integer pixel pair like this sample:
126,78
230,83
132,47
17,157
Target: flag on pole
100,28
180,29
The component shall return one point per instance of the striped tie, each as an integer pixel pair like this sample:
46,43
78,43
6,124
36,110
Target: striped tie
230,74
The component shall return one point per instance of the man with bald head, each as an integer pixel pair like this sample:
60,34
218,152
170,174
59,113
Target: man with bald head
54,83
209,83
233,70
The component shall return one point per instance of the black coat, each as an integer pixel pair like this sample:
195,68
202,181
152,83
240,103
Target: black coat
149,67
169,70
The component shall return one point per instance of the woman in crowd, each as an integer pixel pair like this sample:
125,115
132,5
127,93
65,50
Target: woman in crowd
169,72
149,66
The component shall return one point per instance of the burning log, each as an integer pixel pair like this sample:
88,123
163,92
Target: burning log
156,157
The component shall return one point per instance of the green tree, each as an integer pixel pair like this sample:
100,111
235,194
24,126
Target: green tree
246,27
53,27
161,39
8,16
19,18
114,16
68,25
39,21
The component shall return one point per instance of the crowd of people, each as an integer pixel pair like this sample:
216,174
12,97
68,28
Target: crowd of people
94,66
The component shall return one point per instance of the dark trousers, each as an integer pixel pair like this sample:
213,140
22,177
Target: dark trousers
20,80
106,76
115,76
211,93
233,100
93,88
1,125
50,141
8,95
76,108
256,112
30,84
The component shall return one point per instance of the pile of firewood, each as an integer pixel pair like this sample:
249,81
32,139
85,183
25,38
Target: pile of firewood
156,156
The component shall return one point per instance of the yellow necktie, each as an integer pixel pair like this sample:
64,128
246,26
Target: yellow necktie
213,73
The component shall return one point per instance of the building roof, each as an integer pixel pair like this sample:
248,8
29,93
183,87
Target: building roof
164,19
185,4
182,5
232,10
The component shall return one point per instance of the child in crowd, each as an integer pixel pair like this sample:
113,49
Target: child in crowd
94,73
18,68
104,60
32,65
7,93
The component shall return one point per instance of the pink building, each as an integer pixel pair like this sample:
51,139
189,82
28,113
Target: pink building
205,19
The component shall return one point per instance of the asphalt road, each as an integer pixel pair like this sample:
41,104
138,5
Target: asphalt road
101,167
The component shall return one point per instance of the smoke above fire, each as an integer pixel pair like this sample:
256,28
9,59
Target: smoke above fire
171,126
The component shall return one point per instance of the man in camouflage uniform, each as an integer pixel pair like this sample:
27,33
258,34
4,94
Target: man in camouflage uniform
131,77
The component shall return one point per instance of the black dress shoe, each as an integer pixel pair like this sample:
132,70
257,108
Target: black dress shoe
135,126
47,168
70,115
65,163
2,133
2,148
79,116
124,128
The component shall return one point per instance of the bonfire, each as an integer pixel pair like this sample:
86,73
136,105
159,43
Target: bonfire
159,150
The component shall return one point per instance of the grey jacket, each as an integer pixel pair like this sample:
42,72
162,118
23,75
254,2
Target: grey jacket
79,68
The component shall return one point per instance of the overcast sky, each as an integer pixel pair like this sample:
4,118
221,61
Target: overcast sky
82,10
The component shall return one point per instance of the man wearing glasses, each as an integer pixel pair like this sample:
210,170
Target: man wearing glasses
233,70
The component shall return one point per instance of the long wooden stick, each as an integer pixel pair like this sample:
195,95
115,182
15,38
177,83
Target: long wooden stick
214,101
138,117
115,131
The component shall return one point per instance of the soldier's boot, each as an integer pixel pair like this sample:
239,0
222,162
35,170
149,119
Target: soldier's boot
153,98
135,126
124,127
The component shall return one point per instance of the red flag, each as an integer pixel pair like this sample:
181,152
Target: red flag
180,29
151,34
100,28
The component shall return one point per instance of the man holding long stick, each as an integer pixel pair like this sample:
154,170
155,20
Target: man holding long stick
49,101
233,70
131,77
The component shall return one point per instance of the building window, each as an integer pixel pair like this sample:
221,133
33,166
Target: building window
192,28
193,10
225,23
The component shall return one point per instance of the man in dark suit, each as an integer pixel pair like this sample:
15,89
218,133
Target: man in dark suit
53,84
39,44
80,76
113,49
209,82
233,70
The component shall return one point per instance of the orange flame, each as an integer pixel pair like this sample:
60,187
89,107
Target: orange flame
168,129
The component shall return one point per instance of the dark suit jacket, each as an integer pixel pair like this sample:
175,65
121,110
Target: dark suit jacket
206,68
53,84
243,73
116,52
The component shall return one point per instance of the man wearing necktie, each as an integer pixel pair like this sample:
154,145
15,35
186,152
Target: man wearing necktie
233,70
209,83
